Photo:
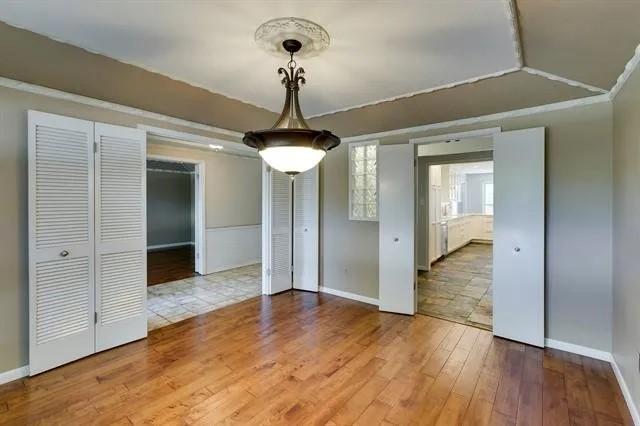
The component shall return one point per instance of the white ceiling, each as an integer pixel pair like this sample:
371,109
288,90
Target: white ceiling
379,49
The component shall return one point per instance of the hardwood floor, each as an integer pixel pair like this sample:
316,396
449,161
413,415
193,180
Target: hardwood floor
170,265
305,358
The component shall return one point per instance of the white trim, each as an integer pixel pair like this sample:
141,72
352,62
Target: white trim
199,208
350,148
577,349
553,77
171,245
197,140
15,374
234,227
512,16
633,410
480,119
421,92
489,131
628,70
59,94
347,295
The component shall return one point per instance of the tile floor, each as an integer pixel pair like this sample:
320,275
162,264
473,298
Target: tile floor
458,287
178,300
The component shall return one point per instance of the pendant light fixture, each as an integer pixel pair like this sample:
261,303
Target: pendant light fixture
291,146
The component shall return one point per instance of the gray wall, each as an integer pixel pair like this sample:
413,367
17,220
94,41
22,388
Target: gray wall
233,184
169,208
475,184
578,234
626,233
14,286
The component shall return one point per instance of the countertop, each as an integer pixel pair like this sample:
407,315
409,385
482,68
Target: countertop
460,216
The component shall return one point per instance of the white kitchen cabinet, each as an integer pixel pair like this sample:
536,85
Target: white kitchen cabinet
462,230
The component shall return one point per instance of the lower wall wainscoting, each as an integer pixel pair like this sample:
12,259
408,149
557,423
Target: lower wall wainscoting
233,247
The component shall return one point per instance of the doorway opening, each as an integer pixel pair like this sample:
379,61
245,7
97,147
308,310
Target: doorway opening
208,267
454,230
171,224
455,239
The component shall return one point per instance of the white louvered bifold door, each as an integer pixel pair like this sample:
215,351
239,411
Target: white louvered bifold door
61,304
306,192
121,262
276,231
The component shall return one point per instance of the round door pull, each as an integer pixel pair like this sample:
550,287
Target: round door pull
64,253
396,239
516,249
306,229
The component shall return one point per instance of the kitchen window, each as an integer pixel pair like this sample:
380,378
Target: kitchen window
363,181
487,198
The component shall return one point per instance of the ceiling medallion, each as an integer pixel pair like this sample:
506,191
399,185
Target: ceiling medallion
270,35
290,145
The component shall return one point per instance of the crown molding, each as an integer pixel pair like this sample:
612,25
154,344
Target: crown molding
512,15
590,100
554,77
420,92
629,68
478,133
59,94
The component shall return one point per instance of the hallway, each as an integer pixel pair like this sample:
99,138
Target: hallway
458,287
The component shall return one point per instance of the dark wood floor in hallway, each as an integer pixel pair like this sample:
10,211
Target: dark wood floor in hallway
303,358
171,264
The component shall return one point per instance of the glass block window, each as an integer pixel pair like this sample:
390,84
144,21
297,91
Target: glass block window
363,181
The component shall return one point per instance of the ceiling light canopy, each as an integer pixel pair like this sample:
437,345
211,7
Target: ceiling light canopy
291,146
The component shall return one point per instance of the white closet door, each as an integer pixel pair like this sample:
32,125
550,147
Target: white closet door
61,274
518,248
306,191
121,256
396,236
276,231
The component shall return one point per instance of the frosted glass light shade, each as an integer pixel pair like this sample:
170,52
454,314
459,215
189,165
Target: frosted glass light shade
292,159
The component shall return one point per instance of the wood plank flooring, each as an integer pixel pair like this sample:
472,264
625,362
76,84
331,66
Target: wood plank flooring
304,358
168,265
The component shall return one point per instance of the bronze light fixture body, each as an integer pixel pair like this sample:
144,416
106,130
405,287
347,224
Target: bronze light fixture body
303,146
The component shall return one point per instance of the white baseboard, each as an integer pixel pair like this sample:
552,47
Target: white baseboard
11,375
635,413
579,350
172,245
347,295
233,266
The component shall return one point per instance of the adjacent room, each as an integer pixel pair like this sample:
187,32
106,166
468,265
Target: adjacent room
194,268
320,213
455,282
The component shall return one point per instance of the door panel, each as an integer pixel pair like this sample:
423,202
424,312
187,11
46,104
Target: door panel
305,230
518,250
276,231
121,261
61,266
396,216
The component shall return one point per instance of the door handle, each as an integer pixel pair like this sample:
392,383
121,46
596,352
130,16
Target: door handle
396,239
64,253
516,249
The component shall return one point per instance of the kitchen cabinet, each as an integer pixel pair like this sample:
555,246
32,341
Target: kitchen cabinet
464,229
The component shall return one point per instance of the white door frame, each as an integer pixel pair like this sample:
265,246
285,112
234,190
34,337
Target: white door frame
199,208
446,137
